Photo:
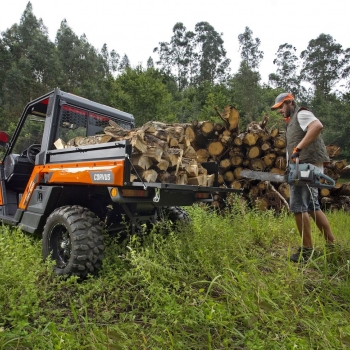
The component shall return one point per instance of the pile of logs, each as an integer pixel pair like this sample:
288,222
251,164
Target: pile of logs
177,153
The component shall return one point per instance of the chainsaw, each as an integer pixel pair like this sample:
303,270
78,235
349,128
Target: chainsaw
296,174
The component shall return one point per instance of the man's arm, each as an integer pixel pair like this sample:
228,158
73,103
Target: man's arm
313,130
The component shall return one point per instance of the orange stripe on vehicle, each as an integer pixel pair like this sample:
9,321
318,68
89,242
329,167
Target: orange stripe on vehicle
34,180
74,173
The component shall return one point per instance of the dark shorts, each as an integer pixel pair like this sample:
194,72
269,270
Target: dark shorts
303,199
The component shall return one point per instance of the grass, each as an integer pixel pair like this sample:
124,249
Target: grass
222,282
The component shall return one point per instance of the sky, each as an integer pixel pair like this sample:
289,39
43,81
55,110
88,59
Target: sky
135,27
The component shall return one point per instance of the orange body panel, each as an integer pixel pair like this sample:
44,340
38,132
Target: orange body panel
103,173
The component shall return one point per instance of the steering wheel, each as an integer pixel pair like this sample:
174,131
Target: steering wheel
32,151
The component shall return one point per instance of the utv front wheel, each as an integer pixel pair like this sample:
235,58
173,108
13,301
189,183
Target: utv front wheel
74,238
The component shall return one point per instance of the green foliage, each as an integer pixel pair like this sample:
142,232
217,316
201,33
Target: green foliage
222,282
286,76
194,76
249,48
246,92
194,57
323,64
142,93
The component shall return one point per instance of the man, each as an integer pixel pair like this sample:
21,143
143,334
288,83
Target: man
304,140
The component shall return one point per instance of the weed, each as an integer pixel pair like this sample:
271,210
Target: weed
222,282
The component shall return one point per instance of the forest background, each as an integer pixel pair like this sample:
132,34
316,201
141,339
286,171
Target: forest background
189,78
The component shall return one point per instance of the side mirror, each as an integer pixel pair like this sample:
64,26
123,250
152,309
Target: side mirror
4,138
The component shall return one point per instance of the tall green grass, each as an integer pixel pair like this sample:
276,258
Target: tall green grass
222,282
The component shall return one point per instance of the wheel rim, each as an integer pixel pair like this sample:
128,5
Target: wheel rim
60,245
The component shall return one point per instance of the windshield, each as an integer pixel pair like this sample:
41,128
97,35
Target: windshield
31,133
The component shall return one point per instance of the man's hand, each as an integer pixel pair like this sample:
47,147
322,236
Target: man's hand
296,154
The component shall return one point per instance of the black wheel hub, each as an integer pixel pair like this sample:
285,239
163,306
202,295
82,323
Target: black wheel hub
60,245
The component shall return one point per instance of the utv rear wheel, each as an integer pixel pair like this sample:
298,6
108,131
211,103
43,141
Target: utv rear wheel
177,214
74,238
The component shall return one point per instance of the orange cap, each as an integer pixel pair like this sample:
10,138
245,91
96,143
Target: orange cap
286,96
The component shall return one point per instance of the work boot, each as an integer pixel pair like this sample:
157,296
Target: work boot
302,255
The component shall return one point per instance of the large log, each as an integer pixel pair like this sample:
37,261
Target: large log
216,148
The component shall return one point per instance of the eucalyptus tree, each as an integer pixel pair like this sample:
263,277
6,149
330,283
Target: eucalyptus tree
246,82
286,76
250,49
110,60
324,64
194,57
124,63
83,66
178,57
28,60
211,55
246,92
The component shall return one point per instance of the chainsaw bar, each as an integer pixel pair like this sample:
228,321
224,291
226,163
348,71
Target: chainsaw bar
262,176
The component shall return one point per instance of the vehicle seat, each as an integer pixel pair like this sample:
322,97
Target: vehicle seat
17,171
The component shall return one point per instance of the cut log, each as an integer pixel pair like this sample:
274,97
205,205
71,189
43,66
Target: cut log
189,133
250,139
172,156
210,180
277,171
333,151
345,189
257,164
237,141
153,153
269,159
141,162
281,163
162,165
220,128
92,140
284,190
237,173
279,141
60,144
265,146
202,155
149,175
264,122
229,176
253,152
162,135
173,142
190,153
237,159
200,180
261,203
207,128
153,126
133,178
225,164
216,148
176,132
151,140
274,132
236,185
192,169
325,192
165,177
115,132
255,128
231,115
138,143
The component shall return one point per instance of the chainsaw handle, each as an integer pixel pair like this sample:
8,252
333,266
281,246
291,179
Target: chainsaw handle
328,179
